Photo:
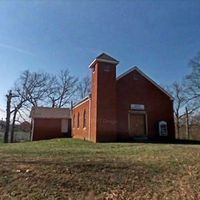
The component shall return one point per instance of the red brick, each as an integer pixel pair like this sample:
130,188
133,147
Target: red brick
108,107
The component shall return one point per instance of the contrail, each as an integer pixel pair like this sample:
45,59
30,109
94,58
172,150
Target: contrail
15,49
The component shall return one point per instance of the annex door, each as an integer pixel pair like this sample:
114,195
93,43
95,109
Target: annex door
137,124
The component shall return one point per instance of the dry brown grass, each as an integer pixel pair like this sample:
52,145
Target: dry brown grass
73,169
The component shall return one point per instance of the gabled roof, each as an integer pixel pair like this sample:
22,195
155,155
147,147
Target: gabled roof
81,101
50,113
104,58
147,77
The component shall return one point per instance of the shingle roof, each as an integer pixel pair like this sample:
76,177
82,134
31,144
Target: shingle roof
50,113
104,58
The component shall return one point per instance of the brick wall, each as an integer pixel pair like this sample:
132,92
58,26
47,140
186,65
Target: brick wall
107,110
81,132
41,131
103,102
135,89
94,102
50,128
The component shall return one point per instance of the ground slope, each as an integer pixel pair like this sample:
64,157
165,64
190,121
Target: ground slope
74,169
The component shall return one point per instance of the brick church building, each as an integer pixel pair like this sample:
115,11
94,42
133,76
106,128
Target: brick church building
130,106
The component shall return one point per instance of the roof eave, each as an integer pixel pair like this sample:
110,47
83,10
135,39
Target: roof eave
102,60
81,101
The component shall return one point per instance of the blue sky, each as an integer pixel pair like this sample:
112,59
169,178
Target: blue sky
159,36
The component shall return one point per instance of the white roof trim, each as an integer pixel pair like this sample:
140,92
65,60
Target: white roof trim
127,72
81,102
102,60
148,78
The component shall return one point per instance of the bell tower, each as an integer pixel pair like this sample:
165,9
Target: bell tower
103,99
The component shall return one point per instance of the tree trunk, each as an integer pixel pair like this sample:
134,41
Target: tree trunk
13,126
177,127
9,97
53,103
187,124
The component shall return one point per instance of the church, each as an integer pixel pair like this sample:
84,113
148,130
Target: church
128,107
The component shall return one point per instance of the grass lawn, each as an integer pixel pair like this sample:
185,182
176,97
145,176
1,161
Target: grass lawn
74,169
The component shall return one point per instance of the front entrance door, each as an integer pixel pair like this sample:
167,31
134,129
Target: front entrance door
137,124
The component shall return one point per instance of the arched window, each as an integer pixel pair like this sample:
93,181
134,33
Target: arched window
78,120
84,119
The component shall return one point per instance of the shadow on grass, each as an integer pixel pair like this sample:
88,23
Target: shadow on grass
189,142
149,141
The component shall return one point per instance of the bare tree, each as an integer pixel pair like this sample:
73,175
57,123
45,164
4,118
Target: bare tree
9,97
17,104
187,96
61,89
34,87
193,79
52,93
30,90
38,89
180,100
184,106
84,87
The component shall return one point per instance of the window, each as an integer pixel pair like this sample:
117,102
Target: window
78,120
74,121
163,128
84,119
